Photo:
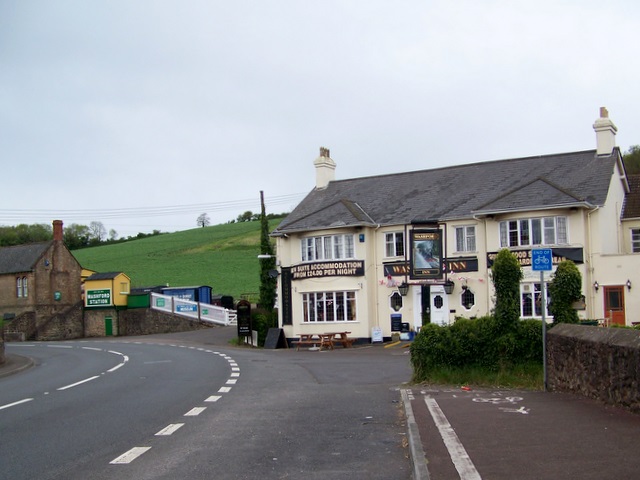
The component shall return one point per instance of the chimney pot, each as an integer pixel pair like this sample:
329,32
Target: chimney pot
57,230
605,133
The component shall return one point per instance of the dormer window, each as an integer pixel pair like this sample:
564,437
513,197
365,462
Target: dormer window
534,231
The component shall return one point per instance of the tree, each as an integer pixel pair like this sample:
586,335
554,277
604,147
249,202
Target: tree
245,217
631,159
203,220
97,232
76,236
564,290
113,235
268,281
506,273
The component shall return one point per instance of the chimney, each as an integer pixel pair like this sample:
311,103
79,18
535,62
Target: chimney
57,230
325,169
605,133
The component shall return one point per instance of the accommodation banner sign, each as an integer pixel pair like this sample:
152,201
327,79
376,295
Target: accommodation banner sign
351,268
574,254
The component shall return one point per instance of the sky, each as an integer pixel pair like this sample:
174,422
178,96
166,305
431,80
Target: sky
144,114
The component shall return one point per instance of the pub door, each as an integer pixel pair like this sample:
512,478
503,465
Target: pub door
614,304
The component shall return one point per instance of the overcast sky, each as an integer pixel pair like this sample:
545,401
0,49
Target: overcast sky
142,114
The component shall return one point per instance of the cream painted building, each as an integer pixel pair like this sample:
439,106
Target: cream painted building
371,255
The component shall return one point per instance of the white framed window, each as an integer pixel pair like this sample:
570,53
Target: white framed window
531,300
394,244
534,231
466,239
19,287
467,298
327,247
329,307
635,240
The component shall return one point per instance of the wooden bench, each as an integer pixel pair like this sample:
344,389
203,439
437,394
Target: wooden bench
308,339
342,338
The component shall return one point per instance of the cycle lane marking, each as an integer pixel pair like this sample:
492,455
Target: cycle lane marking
459,456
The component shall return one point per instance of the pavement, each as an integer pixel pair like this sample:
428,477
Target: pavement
15,364
462,432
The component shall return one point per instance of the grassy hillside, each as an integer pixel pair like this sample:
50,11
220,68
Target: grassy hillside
222,256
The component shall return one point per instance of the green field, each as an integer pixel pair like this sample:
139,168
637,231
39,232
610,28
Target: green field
222,256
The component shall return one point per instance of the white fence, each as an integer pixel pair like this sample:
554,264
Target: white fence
195,310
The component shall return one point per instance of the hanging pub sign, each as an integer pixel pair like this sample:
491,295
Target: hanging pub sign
426,254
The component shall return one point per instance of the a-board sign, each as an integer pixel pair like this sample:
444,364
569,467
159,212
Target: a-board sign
243,310
396,322
376,335
275,339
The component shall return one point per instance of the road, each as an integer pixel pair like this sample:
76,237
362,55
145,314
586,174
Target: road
502,434
178,407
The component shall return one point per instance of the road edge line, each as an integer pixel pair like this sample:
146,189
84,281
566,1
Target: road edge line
418,457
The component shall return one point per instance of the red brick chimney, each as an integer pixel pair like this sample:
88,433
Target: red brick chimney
57,230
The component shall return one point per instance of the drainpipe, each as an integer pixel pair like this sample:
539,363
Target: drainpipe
590,280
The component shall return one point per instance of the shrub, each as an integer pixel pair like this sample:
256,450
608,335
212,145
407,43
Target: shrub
564,290
475,343
506,273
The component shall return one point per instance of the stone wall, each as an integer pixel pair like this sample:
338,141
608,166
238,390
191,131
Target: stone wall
148,321
65,325
1,343
599,363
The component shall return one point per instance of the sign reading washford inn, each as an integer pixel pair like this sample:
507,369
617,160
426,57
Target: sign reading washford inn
98,298
351,268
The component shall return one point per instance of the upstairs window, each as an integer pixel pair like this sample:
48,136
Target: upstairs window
635,240
466,239
533,231
394,244
327,247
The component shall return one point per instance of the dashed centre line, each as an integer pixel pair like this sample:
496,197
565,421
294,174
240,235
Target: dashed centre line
129,456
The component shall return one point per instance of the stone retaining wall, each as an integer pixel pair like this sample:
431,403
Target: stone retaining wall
599,363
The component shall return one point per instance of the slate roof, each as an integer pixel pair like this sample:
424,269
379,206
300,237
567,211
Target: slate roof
550,181
631,207
22,258
104,276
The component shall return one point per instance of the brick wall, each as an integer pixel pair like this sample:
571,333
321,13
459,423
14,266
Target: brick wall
599,363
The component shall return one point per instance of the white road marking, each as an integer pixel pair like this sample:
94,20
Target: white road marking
19,402
59,346
458,454
169,429
224,390
158,361
92,348
79,383
213,398
235,374
522,410
111,370
194,412
232,381
129,456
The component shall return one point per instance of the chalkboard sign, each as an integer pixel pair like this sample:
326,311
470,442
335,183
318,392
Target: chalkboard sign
396,322
275,339
243,310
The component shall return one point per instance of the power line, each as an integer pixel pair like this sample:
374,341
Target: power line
20,215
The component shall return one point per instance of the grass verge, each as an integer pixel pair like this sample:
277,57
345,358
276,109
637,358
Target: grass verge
528,377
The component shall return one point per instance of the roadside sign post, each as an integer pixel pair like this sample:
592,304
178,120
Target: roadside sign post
542,260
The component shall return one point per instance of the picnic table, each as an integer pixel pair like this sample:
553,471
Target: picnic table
325,340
